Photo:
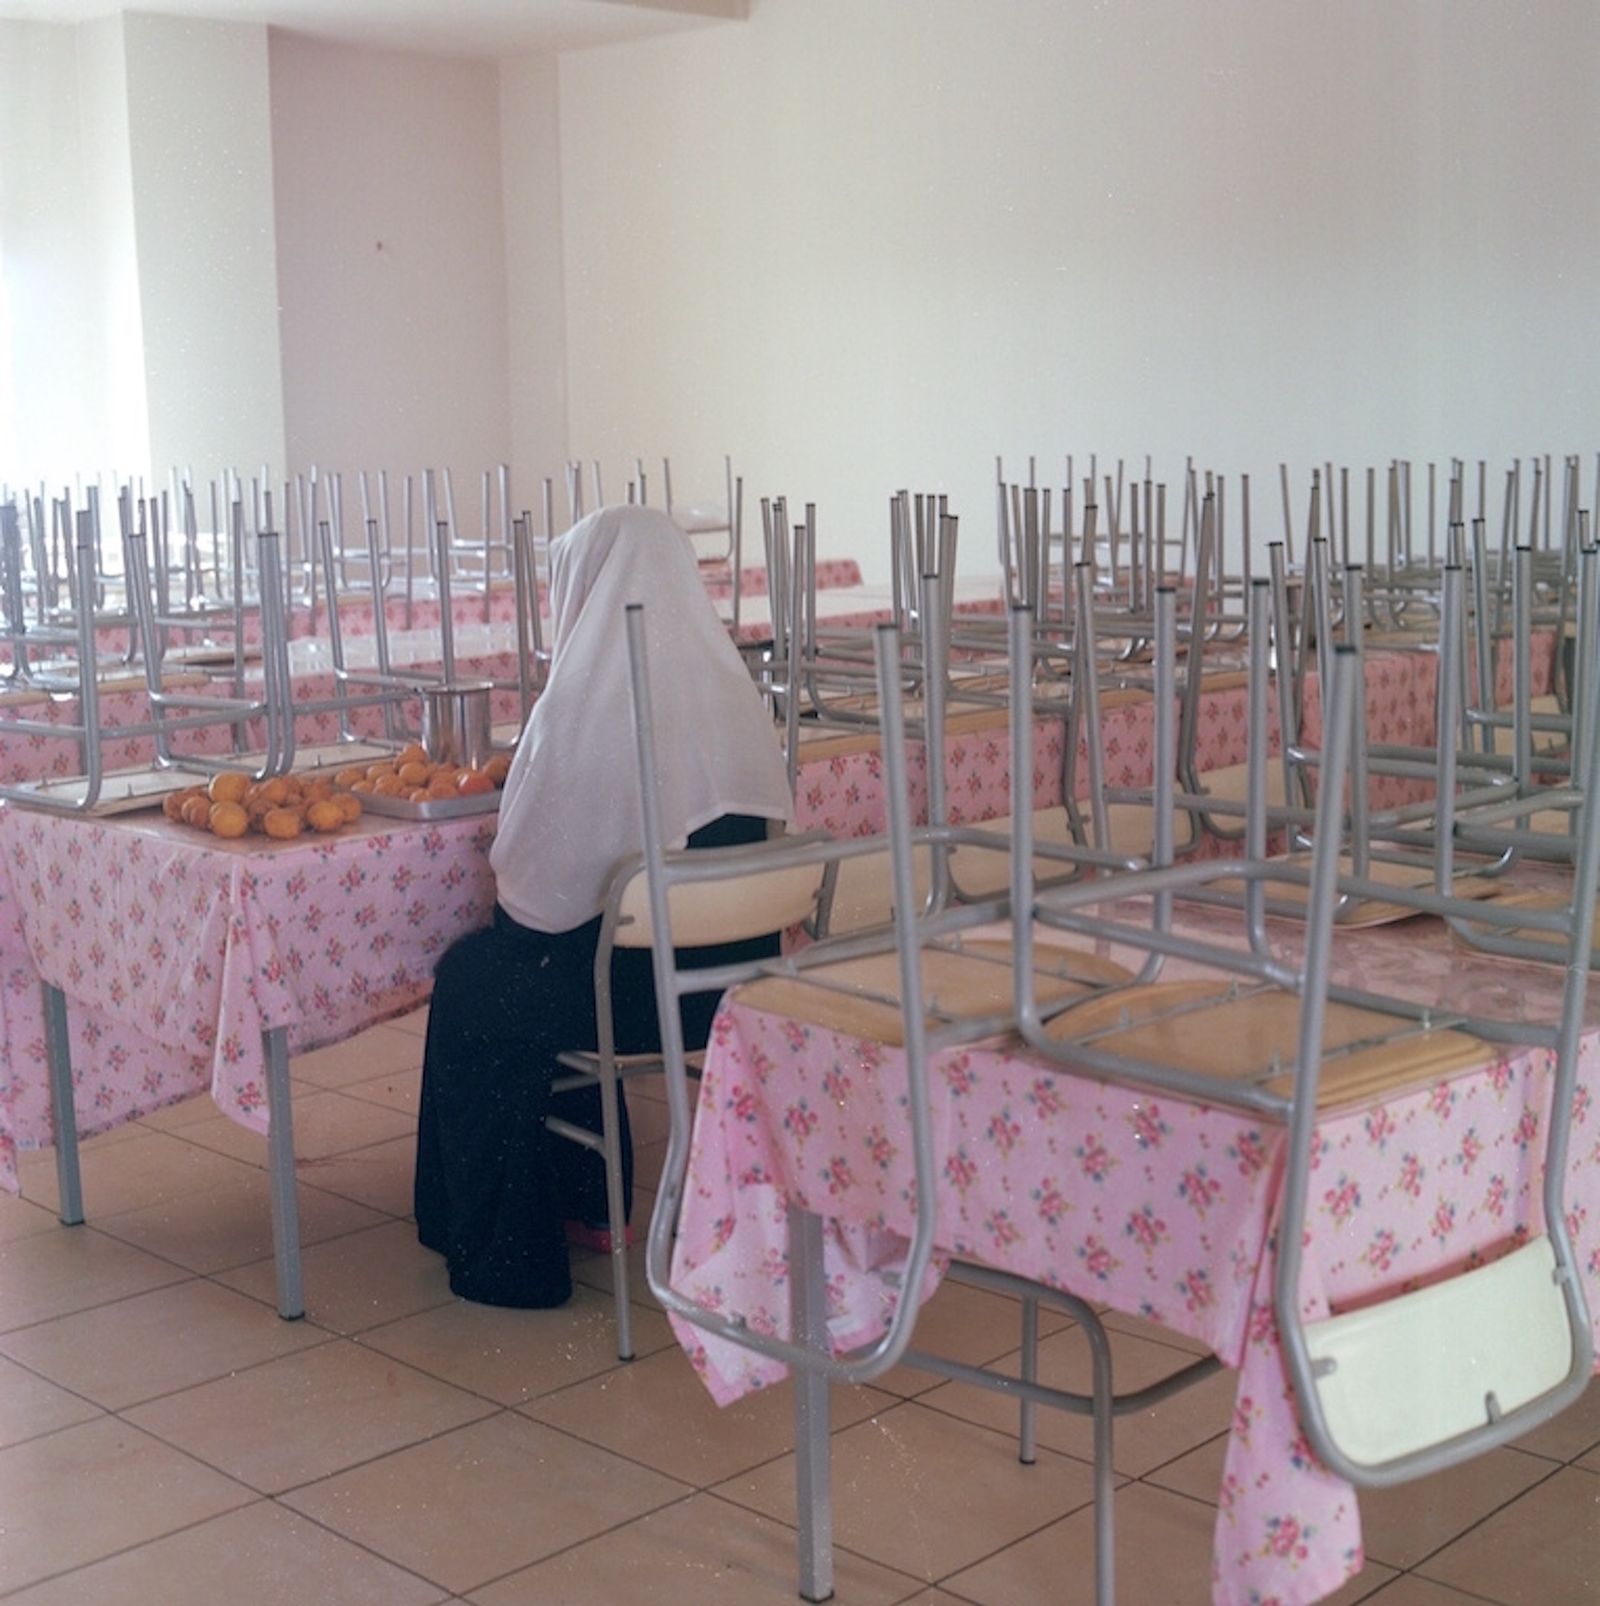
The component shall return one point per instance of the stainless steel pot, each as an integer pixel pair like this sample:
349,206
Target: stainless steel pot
455,722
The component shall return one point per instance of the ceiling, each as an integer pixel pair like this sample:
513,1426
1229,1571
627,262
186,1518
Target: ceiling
447,27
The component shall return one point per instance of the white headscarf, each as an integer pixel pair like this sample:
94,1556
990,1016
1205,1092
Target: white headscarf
570,811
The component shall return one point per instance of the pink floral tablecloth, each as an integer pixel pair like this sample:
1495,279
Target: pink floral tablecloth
1156,1205
177,951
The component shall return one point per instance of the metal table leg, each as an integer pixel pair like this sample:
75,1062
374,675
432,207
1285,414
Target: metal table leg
280,1166
813,1470
58,1051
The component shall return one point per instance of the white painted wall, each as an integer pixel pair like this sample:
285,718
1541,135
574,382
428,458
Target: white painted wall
201,154
44,243
870,243
116,413
530,161
391,260
76,370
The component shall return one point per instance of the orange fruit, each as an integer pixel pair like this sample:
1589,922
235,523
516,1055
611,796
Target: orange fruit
197,812
498,768
324,815
349,776
474,783
376,772
420,795
348,805
413,753
319,790
414,774
361,788
275,791
443,785
389,786
281,823
229,819
228,787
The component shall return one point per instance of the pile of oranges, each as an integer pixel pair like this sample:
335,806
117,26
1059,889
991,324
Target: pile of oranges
409,775
232,804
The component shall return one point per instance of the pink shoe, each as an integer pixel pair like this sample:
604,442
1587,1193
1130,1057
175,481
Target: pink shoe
585,1235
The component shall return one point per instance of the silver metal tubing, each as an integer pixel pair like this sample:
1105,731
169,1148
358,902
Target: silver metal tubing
280,1165
58,1053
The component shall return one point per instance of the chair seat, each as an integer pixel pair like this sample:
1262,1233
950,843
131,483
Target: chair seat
1212,1028
1423,1367
1231,783
862,996
1368,911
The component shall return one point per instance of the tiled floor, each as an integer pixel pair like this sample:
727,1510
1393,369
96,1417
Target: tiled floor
164,1438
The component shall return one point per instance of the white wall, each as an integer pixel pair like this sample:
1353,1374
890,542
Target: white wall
871,243
201,157
44,244
391,260
530,158
116,414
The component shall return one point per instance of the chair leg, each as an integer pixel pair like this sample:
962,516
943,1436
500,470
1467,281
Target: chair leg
1028,1411
616,1213
813,1471
1105,1588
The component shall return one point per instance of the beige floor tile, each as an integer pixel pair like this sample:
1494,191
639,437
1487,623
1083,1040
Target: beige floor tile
1410,1590
1138,1327
1399,1526
80,1494
514,1355
702,1551
374,1052
45,1159
473,1505
359,1280
308,1415
72,1268
394,1090
647,1162
658,1412
1197,1474
380,1176
30,1406
146,1168
415,1022
231,1225
594,1270
22,1218
653,1085
196,1107
924,1493
1542,1550
1139,1442
934,1597
647,1117
150,1344
1572,1434
1163,1544
259,1555
324,1123
965,1324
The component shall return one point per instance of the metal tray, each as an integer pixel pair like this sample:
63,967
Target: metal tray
121,791
444,808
